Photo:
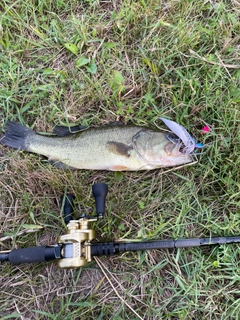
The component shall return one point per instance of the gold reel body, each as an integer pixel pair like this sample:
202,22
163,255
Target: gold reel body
78,236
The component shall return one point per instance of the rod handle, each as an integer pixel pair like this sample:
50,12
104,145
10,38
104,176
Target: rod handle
33,254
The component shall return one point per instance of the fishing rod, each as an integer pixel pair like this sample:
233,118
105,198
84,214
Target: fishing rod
76,249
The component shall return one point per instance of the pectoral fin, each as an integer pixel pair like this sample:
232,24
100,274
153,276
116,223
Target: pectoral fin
119,148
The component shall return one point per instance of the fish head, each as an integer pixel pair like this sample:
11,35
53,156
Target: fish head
160,149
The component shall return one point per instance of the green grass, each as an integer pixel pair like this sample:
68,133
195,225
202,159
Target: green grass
93,62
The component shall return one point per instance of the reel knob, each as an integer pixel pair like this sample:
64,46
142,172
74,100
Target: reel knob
100,191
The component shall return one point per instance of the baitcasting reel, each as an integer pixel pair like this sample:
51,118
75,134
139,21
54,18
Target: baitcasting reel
75,248
76,251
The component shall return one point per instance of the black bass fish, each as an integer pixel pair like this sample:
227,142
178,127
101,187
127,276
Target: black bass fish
115,148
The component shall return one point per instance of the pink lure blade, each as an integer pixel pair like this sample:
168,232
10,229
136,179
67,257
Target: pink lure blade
182,133
205,129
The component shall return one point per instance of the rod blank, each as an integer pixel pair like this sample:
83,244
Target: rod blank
110,248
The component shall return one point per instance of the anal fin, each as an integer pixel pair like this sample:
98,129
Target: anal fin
60,165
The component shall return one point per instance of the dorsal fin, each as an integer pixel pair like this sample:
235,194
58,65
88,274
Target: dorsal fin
63,131
114,123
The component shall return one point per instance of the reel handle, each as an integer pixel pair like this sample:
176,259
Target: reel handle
68,206
100,191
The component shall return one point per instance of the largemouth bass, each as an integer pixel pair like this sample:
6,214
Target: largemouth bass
115,148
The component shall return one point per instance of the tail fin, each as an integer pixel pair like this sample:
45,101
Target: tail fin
16,136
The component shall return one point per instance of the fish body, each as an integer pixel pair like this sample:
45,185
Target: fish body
115,148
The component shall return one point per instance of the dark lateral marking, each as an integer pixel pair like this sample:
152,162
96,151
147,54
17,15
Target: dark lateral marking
119,148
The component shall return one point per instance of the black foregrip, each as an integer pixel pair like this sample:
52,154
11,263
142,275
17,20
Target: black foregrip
33,254
103,249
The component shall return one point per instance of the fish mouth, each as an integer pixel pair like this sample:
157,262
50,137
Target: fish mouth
176,153
174,149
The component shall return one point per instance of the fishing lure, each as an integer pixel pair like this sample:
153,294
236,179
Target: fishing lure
205,129
181,132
